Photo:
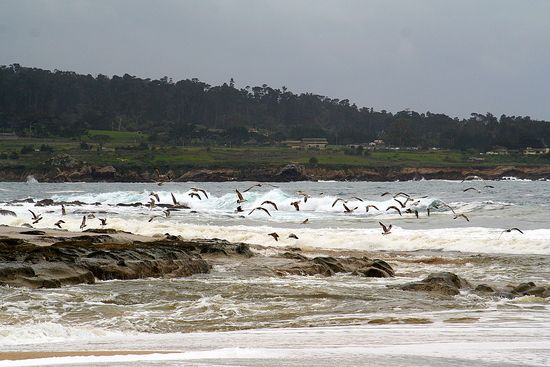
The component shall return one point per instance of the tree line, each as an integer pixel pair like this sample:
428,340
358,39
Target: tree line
42,103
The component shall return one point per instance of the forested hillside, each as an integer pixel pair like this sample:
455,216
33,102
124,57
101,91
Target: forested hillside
36,102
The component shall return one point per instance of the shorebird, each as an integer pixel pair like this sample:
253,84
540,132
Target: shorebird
156,196
35,218
461,215
58,223
510,230
260,208
274,235
152,203
271,203
292,235
63,211
371,206
83,224
472,188
296,205
387,230
306,221
194,194
240,197
348,210
103,221
394,207
7,212
200,190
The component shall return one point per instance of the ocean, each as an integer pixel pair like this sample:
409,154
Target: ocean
241,315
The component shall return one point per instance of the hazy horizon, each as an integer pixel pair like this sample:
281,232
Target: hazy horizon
440,56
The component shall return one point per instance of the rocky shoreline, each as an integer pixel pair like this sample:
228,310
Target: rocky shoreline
56,258
290,172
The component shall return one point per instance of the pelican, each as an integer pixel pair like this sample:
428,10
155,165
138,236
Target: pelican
371,206
296,205
461,215
200,190
58,223
271,203
240,199
83,224
274,235
292,235
394,207
260,208
387,230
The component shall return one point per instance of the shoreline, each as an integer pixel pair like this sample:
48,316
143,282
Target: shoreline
288,173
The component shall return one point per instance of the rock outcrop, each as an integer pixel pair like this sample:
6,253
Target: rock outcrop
328,266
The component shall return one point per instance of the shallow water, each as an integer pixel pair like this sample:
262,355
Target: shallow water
240,314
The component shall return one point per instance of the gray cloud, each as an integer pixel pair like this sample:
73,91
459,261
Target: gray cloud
454,57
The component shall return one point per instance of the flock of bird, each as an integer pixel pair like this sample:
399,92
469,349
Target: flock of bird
403,203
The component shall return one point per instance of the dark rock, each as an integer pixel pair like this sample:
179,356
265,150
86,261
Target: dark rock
44,202
291,172
443,283
33,233
484,288
244,249
103,173
523,287
294,255
328,266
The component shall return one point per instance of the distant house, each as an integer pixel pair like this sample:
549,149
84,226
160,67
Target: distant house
536,151
377,144
498,151
307,143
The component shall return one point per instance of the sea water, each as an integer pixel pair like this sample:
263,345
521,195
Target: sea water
240,316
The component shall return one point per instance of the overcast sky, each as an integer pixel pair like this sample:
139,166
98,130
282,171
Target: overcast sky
453,57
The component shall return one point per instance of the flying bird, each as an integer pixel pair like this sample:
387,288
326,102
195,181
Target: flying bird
103,221
472,188
58,223
271,203
387,230
386,193
296,205
337,200
259,185
260,208
306,221
348,210
174,201
194,194
36,218
394,207
371,206
274,235
155,195
305,195
400,203
488,187
240,197
510,230
292,235
83,224
200,190
401,194
152,203
357,198
7,212
239,209
463,216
